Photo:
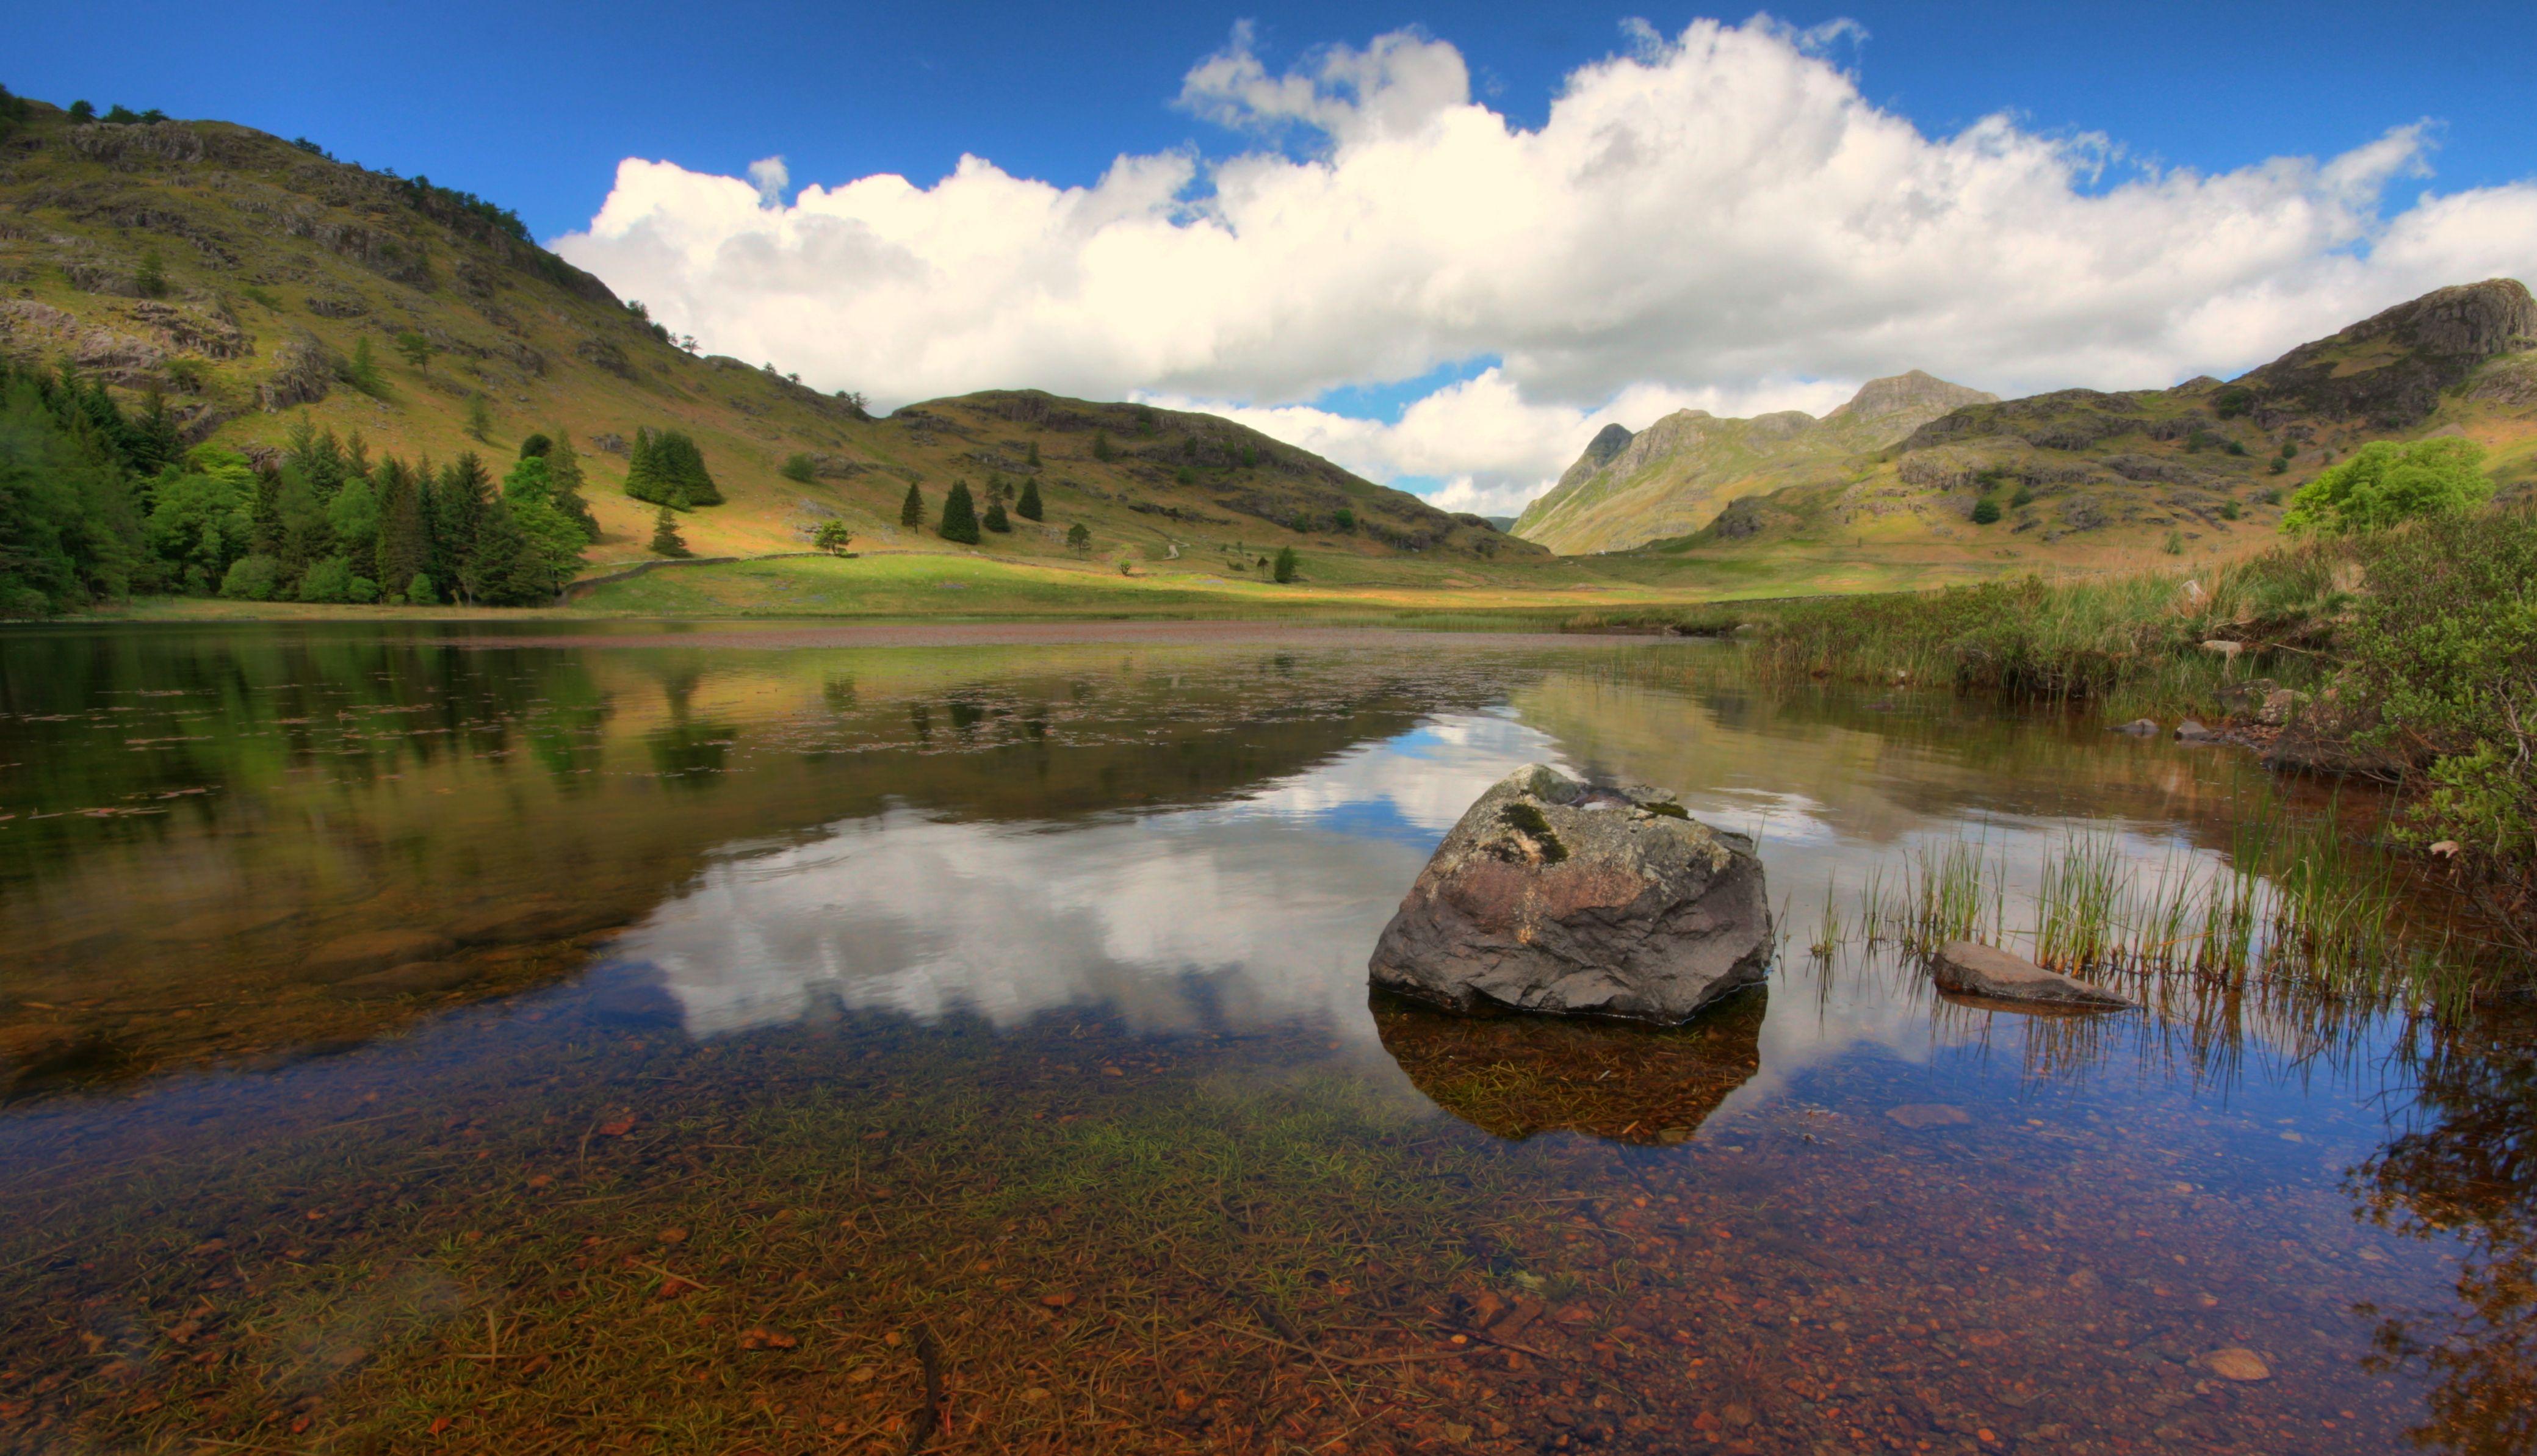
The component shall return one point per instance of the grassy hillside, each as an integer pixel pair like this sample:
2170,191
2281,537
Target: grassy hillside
2074,481
244,279
1675,476
2087,480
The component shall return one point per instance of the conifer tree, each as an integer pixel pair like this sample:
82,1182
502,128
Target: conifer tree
1101,445
1033,457
643,480
459,500
1285,570
563,485
666,540
682,465
1028,507
911,511
404,542
995,520
504,570
959,516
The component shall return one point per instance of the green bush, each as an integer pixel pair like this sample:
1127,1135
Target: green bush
419,592
1344,518
2025,496
334,580
2385,485
1986,511
798,467
1285,571
252,578
2445,648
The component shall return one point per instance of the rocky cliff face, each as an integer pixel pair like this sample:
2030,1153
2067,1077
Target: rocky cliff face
1680,473
2390,369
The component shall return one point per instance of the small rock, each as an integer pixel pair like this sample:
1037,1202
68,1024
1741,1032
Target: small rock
2237,1363
2279,705
2191,731
2447,849
1928,1114
1970,970
2222,648
2138,728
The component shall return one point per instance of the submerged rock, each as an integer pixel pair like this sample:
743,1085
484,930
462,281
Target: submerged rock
2192,732
2138,728
373,950
413,978
1553,896
1516,1076
1994,975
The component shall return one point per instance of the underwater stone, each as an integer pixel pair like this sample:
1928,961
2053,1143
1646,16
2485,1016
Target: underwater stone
1970,970
1553,896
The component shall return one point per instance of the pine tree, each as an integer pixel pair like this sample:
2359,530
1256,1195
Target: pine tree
911,511
1028,507
997,521
643,480
404,542
563,485
1285,571
666,540
150,278
682,465
1033,457
1101,445
959,516
459,500
504,569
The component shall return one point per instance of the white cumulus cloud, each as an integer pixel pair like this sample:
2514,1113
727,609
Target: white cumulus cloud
1719,216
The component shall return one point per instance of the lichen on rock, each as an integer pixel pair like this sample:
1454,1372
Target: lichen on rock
1568,899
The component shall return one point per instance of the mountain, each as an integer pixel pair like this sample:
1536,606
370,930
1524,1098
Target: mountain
247,282
2083,477
1680,473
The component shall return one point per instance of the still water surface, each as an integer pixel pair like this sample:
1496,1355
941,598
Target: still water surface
735,1040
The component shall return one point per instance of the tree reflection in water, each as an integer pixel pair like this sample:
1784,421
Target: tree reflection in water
2464,1176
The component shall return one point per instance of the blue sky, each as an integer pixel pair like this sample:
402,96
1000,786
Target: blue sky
533,104
536,105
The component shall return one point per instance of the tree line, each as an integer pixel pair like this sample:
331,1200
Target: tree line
98,503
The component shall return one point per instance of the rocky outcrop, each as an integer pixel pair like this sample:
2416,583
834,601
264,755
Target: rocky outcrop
2389,369
303,370
1552,896
1989,973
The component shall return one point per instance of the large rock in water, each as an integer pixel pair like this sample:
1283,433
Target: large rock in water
1554,897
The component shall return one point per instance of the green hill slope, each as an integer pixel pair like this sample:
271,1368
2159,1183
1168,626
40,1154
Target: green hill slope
1675,476
2083,479
247,282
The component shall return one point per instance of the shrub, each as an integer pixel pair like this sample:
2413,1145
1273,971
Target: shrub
2232,401
2446,648
150,278
832,537
252,579
2228,510
1986,511
538,446
2234,447
2279,465
1185,475
1033,456
1101,445
2174,545
1285,571
2385,483
798,466
2025,496
419,592
333,580
1344,518
83,110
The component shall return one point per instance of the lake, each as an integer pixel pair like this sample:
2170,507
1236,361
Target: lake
786,1040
